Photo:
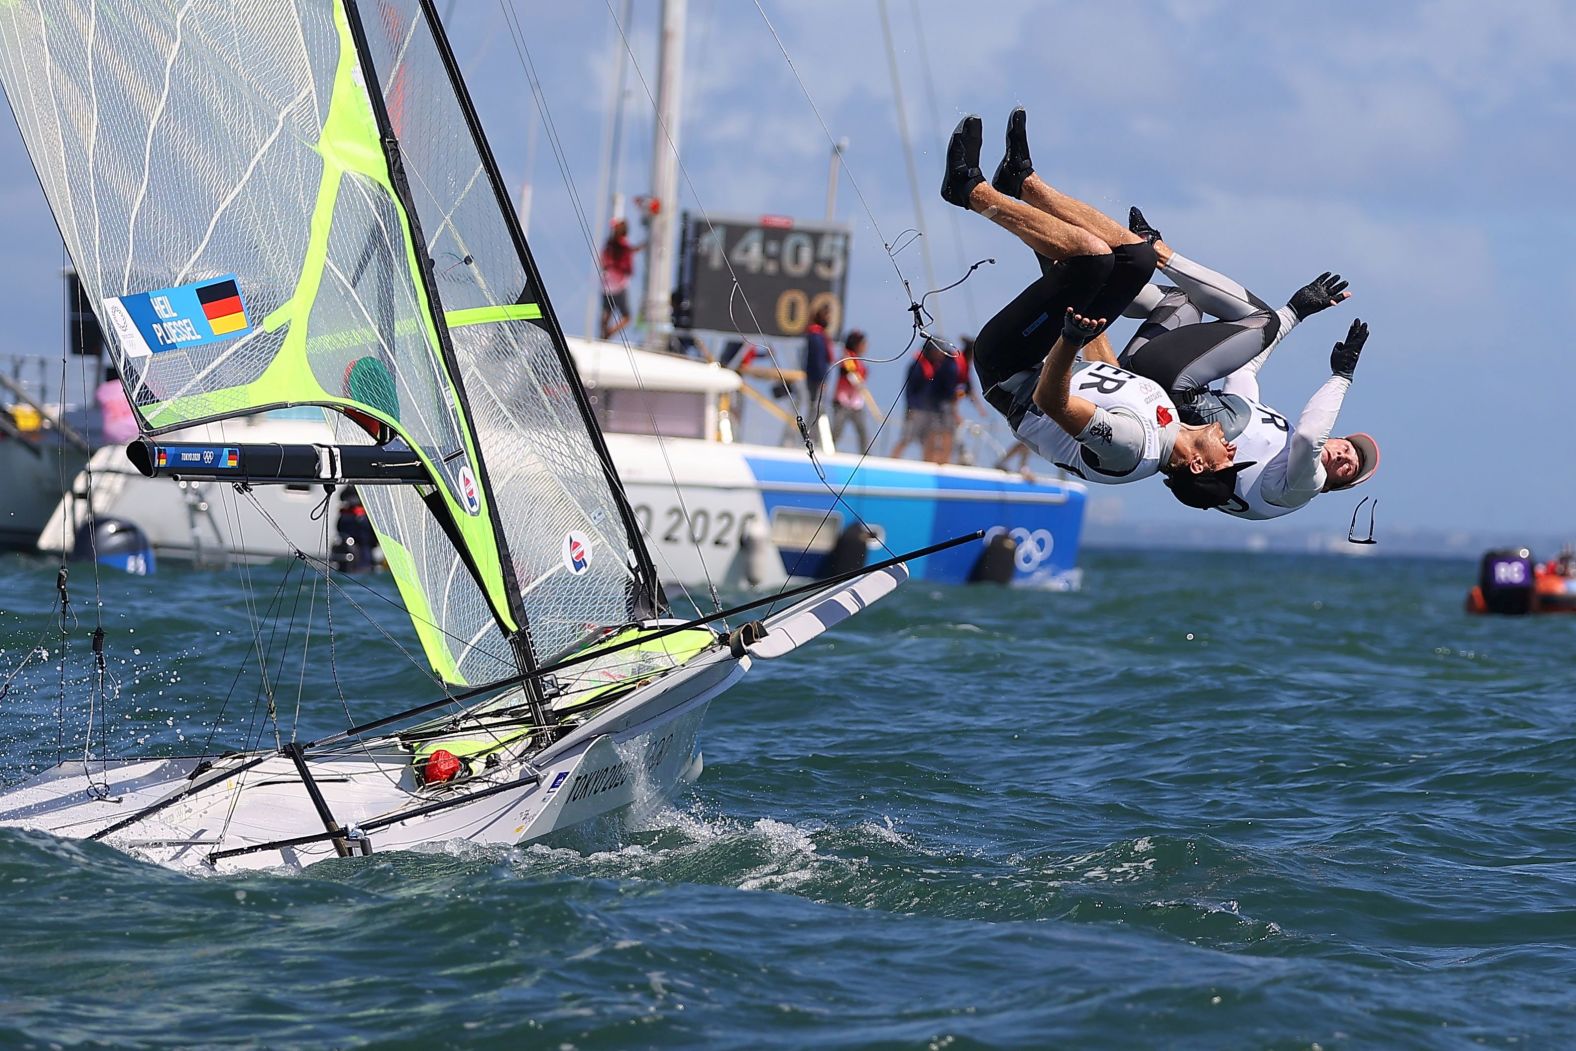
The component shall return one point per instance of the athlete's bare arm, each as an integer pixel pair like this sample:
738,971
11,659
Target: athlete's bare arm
1053,393
1099,349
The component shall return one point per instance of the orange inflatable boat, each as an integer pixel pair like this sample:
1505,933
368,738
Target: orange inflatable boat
1509,581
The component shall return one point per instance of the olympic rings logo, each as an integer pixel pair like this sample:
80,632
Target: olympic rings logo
1034,547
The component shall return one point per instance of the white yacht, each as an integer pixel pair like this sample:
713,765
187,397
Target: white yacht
740,515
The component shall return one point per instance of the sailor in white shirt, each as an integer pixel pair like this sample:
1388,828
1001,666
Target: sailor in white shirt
1101,422
1306,461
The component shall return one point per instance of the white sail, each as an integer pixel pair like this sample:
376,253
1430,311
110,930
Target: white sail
257,228
575,557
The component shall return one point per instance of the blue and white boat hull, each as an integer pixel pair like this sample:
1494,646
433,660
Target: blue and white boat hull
746,515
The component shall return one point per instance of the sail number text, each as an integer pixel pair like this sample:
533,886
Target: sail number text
704,525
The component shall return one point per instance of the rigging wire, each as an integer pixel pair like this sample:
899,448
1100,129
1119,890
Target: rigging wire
474,722
333,661
295,551
284,652
908,144
334,584
756,326
612,157
306,641
265,691
339,689
929,80
64,605
64,597
105,683
528,65
921,318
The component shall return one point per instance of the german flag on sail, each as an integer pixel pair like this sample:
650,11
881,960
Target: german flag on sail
222,306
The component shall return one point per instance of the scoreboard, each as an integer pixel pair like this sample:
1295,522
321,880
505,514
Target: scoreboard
784,269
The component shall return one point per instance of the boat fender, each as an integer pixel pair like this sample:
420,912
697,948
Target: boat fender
113,542
761,557
997,563
439,767
745,636
850,553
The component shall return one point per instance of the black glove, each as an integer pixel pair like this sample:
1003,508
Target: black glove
1319,294
1343,359
1077,331
1140,226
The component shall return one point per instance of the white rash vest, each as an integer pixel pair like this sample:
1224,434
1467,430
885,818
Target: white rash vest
1130,437
1288,470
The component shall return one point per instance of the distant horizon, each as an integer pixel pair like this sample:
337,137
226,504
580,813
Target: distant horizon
1390,542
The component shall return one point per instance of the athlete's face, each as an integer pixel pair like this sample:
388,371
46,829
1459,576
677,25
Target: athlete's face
1215,452
1341,464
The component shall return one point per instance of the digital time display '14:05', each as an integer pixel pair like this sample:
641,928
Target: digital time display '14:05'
784,271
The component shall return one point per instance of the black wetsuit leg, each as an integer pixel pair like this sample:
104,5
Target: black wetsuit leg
1021,333
1131,268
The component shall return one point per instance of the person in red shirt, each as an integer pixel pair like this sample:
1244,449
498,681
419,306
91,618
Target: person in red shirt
849,400
618,266
951,409
932,381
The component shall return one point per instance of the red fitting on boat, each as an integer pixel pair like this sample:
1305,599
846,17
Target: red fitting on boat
439,767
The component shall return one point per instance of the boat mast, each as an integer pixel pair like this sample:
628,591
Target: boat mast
608,196
665,178
908,156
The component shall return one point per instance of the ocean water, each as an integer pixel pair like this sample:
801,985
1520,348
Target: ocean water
1210,801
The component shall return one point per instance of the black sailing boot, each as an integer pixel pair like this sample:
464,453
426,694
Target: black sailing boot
1140,226
1015,164
963,162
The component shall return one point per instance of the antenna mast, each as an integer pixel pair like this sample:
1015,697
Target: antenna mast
664,178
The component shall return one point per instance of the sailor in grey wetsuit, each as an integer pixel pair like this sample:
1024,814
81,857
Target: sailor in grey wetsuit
1278,469
1298,463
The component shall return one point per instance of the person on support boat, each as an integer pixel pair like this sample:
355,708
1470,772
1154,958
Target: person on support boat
1278,468
1118,427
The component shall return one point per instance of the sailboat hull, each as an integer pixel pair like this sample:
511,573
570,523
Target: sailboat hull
632,754
255,811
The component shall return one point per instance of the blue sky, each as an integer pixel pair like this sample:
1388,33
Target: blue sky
1420,149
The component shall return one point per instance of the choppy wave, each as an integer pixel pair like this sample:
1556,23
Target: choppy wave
1205,802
